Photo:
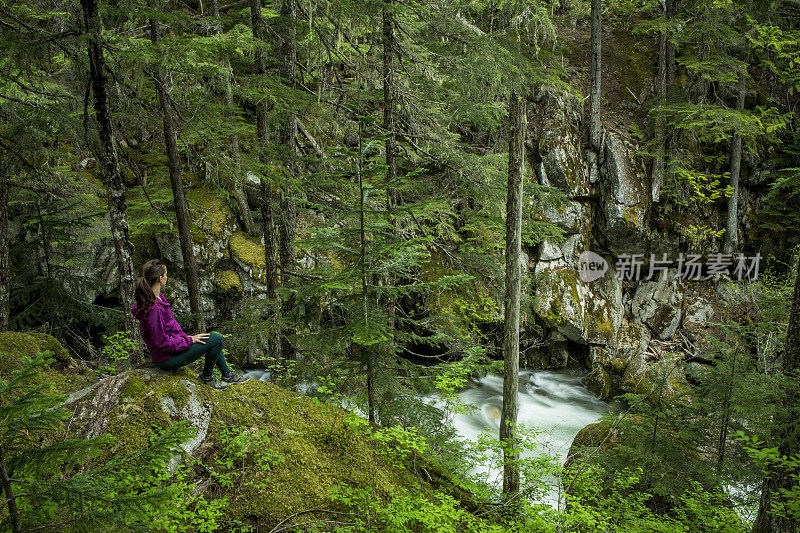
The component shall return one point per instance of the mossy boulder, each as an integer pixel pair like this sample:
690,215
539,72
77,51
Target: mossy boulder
248,253
664,378
296,448
624,197
63,374
227,281
599,382
211,218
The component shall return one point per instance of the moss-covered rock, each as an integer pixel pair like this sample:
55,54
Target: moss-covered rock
227,280
211,217
292,449
599,382
63,375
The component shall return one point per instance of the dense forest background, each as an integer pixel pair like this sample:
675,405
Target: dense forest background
376,202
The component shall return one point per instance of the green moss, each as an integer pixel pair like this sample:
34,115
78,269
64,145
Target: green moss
599,382
209,215
227,280
311,447
14,346
247,250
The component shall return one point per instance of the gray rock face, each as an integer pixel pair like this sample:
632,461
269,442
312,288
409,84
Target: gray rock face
563,165
196,413
698,314
658,304
625,197
558,349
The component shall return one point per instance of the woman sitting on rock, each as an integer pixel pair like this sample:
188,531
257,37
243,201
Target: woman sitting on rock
171,348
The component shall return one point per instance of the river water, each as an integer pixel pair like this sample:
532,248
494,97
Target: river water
554,402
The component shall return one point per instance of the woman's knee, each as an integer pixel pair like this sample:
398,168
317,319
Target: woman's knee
215,339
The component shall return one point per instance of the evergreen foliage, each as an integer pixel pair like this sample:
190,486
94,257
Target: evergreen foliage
51,483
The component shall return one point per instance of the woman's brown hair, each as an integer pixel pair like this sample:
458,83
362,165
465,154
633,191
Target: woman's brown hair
144,295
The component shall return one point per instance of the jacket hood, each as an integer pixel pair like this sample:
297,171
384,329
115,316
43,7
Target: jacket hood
139,313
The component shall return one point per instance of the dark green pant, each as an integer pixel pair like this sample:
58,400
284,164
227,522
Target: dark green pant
212,350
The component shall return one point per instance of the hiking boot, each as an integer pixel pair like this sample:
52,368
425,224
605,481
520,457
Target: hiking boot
211,382
234,377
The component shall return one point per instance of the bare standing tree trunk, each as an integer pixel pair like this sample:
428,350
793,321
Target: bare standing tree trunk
179,199
732,226
109,165
785,429
508,420
389,51
595,75
657,176
286,234
366,351
5,264
671,10
243,209
267,195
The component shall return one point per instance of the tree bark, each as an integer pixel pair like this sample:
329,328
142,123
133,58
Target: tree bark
242,207
389,91
267,195
508,420
109,165
179,199
671,11
732,226
595,75
286,234
5,264
786,431
366,351
11,499
657,176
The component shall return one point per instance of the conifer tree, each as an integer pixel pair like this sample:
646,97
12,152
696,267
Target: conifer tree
595,74
786,430
43,485
243,208
109,164
511,317
732,225
288,138
267,194
5,265
179,199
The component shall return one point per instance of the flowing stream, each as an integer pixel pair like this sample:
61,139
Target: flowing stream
553,401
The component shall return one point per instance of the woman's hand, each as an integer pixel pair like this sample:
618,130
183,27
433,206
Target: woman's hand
199,337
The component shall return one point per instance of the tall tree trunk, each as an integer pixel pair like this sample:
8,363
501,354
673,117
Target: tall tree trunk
657,176
179,199
242,207
671,11
732,226
508,420
366,351
389,90
109,165
595,75
286,234
5,264
786,430
267,196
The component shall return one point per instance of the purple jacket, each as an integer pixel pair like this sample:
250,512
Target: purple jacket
160,331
